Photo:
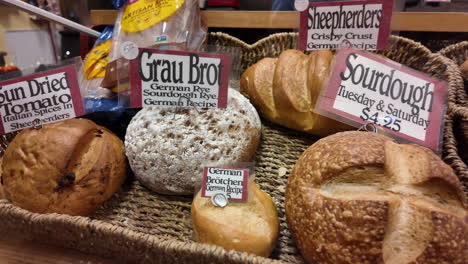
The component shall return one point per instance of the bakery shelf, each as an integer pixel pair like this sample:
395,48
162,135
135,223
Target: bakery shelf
401,21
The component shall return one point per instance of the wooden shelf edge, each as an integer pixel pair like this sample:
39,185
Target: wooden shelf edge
401,21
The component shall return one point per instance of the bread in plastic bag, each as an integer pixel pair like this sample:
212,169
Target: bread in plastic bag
173,24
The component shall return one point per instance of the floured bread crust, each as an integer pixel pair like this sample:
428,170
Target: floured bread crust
358,197
69,167
167,148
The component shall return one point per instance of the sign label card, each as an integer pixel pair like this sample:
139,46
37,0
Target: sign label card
230,182
39,99
367,88
363,25
179,79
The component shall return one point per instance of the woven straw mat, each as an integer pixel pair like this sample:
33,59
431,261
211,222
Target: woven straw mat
138,226
458,53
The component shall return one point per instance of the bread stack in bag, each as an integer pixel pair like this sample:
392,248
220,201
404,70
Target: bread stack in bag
174,23
357,197
285,90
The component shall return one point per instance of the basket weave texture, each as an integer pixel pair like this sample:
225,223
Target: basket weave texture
458,53
138,226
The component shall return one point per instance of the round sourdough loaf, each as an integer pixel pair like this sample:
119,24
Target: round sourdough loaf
69,167
357,197
167,147
250,226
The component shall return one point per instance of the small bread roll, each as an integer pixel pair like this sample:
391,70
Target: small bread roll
250,227
69,167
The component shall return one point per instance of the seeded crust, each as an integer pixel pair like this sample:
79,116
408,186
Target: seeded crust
167,148
38,163
353,197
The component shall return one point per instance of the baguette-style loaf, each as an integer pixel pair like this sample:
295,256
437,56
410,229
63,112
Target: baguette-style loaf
357,197
285,90
69,167
250,227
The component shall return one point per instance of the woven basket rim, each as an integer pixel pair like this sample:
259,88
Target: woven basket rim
191,247
161,243
454,47
258,43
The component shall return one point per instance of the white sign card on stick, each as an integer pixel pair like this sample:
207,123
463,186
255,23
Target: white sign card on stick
163,77
231,182
402,102
40,98
363,25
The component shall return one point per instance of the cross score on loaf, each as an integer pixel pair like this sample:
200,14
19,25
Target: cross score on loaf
358,197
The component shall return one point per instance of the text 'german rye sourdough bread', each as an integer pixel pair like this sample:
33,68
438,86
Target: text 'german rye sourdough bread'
357,197
285,90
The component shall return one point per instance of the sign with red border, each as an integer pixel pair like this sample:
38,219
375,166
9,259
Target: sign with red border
179,79
228,181
363,25
40,98
402,102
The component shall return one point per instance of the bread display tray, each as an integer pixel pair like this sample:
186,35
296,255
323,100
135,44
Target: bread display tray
458,53
139,226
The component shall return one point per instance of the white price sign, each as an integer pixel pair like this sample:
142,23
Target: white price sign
230,182
179,79
40,98
367,88
363,25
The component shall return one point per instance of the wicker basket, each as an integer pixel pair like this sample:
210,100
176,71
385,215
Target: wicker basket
137,226
458,157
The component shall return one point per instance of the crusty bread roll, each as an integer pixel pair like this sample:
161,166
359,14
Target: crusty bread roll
69,167
357,197
250,227
285,90
167,148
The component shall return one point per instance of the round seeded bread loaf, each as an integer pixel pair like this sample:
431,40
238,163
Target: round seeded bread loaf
167,147
69,167
357,197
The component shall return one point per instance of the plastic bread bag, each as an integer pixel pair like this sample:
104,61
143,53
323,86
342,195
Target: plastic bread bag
118,3
95,66
159,23
166,24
